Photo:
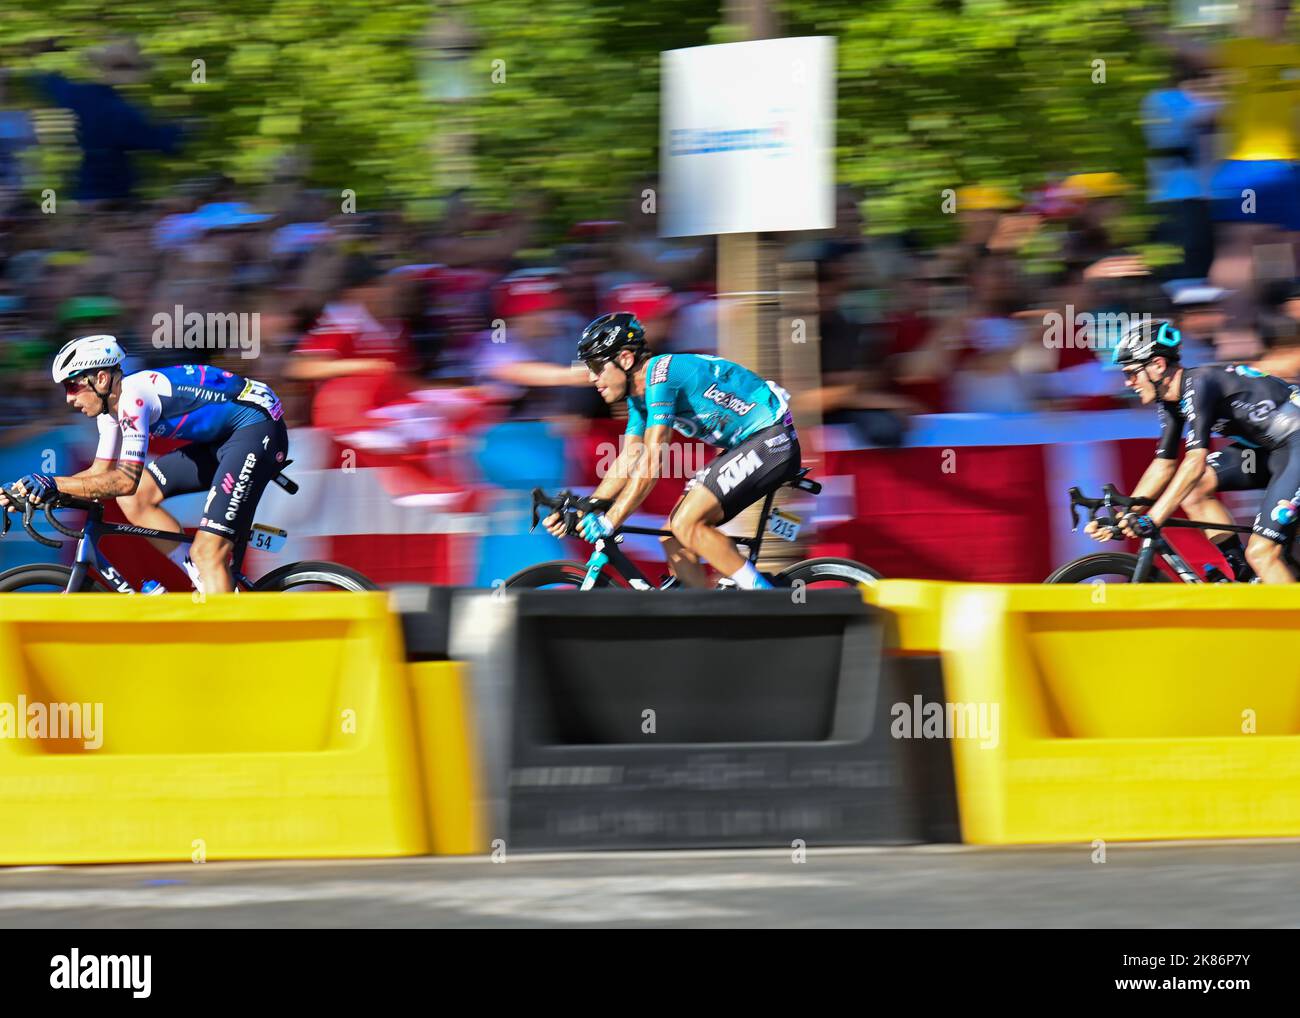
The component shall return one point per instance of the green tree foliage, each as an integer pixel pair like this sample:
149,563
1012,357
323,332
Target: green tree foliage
563,95
936,94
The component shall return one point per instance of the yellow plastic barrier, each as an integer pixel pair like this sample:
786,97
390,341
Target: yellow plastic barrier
448,751
250,726
1122,712
916,608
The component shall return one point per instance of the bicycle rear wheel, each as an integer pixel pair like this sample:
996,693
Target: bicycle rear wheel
554,576
305,577
43,579
831,572
1109,566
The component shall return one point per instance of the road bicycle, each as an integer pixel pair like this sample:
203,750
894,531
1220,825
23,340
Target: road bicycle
92,571
610,567
1145,566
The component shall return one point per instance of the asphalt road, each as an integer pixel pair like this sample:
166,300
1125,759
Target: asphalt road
1224,884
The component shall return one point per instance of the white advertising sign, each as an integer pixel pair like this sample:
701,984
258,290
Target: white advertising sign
748,137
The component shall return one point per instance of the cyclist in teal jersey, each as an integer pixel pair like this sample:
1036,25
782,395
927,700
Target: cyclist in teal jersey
715,400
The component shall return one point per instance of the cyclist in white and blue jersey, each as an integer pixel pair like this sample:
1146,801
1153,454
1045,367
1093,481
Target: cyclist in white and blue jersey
237,442
714,400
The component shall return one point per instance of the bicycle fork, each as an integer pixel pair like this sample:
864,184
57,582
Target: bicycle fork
1157,545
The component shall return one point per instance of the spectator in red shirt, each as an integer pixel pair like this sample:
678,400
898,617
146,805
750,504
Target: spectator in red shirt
355,335
357,348
654,305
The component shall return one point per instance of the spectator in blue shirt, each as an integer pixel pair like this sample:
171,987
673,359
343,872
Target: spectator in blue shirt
109,127
1178,123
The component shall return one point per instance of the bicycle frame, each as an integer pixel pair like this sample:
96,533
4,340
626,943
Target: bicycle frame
607,552
1157,545
89,556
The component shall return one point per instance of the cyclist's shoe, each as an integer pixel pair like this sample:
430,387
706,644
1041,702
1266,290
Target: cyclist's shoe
193,572
727,583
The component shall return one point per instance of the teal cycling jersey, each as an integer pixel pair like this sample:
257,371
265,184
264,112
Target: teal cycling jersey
714,400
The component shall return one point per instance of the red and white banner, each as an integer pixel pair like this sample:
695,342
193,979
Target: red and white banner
969,497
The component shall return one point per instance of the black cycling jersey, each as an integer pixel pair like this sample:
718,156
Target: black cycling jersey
1233,400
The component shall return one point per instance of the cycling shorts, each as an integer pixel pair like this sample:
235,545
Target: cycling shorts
235,474
739,477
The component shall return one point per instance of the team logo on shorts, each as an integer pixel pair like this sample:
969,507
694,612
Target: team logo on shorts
1284,513
733,472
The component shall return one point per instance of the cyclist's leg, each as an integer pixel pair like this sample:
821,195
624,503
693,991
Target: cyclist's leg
732,482
1234,468
697,506
177,473
246,462
1275,526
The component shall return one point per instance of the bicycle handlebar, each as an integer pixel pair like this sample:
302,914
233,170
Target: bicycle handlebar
18,503
567,503
1111,499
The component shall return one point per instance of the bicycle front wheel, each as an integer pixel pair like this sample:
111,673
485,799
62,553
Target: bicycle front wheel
554,576
305,577
1108,566
831,572
43,579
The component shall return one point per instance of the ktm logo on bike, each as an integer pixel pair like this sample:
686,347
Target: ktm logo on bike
732,473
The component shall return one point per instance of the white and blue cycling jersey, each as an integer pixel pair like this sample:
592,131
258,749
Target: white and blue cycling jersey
195,403
715,400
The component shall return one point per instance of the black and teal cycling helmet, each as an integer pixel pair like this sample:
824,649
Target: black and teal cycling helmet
1149,338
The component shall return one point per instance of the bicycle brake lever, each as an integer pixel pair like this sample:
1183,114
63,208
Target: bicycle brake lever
537,494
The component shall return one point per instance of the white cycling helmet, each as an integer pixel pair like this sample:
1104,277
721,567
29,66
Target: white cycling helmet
89,353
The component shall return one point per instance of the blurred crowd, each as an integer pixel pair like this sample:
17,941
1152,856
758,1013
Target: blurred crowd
359,308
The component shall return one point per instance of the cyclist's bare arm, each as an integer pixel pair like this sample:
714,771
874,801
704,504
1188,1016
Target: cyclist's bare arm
643,473
1154,480
1184,483
614,481
100,474
104,479
616,477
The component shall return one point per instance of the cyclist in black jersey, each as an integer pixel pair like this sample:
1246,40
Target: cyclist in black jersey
1258,412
